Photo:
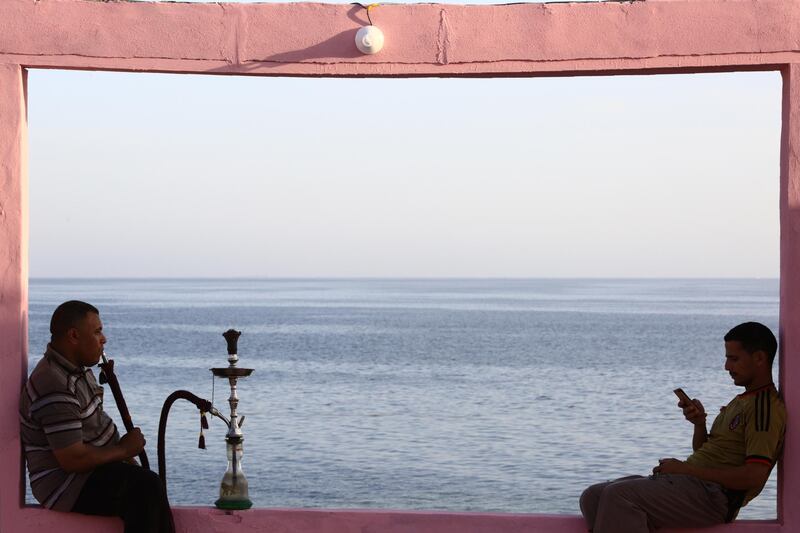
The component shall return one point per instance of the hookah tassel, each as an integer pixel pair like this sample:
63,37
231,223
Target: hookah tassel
201,443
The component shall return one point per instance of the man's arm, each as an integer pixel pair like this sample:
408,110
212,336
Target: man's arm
696,414
746,477
700,436
82,457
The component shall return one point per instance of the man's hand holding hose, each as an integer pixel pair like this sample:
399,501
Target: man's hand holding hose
110,377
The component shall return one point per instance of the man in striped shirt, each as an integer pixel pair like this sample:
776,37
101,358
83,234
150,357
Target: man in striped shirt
76,459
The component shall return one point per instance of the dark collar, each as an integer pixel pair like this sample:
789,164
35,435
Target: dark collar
770,386
62,361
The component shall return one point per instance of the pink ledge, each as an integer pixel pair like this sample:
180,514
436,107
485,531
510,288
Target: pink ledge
208,520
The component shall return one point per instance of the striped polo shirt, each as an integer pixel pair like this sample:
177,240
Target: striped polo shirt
60,404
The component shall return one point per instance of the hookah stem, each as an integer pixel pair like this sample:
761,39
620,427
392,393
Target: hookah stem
111,378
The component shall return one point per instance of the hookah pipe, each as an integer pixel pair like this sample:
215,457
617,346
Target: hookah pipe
203,405
107,375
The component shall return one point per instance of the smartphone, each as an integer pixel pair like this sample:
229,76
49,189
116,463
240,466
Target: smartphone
682,396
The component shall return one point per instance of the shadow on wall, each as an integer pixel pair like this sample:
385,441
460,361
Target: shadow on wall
340,46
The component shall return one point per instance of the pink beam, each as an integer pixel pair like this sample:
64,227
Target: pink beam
425,39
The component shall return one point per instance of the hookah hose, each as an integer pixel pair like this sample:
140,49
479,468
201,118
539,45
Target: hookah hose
107,375
203,405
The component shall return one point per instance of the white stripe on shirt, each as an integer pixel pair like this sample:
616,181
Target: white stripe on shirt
53,398
91,408
106,436
40,475
72,424
32,448
57,494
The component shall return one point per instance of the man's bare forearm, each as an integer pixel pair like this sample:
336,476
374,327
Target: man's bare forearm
700,436
82,457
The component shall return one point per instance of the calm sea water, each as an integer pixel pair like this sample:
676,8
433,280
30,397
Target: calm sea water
463,395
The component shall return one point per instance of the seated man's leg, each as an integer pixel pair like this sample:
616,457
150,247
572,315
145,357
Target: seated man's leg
644,504
590,499
131,492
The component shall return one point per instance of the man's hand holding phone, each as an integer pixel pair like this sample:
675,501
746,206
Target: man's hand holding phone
693,410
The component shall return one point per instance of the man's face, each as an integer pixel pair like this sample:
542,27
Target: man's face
739,364
90,340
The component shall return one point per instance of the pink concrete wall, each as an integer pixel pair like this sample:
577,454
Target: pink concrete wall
789,484
422,40
13,283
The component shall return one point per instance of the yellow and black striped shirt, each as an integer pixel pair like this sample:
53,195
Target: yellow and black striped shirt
749,429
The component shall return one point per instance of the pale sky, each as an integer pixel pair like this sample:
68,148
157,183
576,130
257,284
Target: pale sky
190,176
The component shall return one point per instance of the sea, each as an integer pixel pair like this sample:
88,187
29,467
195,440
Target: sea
480,395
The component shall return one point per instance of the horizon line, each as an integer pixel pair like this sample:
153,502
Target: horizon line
399,278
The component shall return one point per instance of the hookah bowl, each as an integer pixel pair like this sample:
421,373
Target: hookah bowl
233,493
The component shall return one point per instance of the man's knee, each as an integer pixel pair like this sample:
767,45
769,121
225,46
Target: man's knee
590,503
145,483
151,481
590,498
620,491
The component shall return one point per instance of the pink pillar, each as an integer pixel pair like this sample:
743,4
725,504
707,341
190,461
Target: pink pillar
789,487
14,281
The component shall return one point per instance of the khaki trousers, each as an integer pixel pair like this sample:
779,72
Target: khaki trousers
637,504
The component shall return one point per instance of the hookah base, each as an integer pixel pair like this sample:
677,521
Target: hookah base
233,505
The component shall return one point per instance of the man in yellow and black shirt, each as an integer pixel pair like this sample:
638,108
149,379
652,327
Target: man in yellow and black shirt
729,466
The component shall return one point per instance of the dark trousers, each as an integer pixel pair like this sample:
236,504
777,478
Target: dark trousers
637,504
131,492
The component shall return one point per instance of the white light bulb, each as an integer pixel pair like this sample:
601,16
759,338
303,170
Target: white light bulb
369,40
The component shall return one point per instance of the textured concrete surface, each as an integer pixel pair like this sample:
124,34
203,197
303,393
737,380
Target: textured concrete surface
421,40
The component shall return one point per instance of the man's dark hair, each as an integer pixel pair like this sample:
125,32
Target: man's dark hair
67,315
754,337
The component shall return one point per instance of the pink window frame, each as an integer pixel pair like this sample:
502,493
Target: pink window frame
316,40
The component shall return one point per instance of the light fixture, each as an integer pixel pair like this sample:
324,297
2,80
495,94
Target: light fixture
369,39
